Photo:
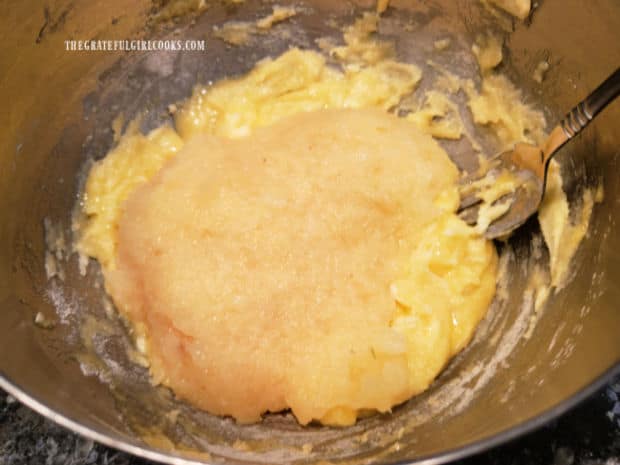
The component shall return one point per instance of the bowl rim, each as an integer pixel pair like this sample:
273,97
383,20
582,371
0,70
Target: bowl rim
449,455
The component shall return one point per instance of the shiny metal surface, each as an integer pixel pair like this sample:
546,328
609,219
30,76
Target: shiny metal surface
59,107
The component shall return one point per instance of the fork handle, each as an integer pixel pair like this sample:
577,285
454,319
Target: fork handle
580,116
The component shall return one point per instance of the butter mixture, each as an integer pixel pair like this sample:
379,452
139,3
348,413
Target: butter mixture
562,231
312,253
517,8
315,264
240,32
292,244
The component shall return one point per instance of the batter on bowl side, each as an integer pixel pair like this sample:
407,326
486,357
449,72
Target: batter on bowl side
315,264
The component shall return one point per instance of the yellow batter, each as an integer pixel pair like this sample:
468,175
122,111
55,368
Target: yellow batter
296,81
562,233
290,244
240,32
518,8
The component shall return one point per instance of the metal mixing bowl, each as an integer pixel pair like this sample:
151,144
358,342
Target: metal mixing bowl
522,368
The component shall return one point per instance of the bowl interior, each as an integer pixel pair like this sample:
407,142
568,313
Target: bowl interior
521,364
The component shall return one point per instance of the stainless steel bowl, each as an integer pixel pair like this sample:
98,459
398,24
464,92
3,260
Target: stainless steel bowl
522,368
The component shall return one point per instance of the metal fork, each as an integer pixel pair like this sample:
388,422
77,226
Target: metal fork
530,163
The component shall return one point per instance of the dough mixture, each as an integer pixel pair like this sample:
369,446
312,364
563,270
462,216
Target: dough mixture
290,244
315,264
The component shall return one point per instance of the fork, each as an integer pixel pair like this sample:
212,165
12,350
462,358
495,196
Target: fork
529,164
